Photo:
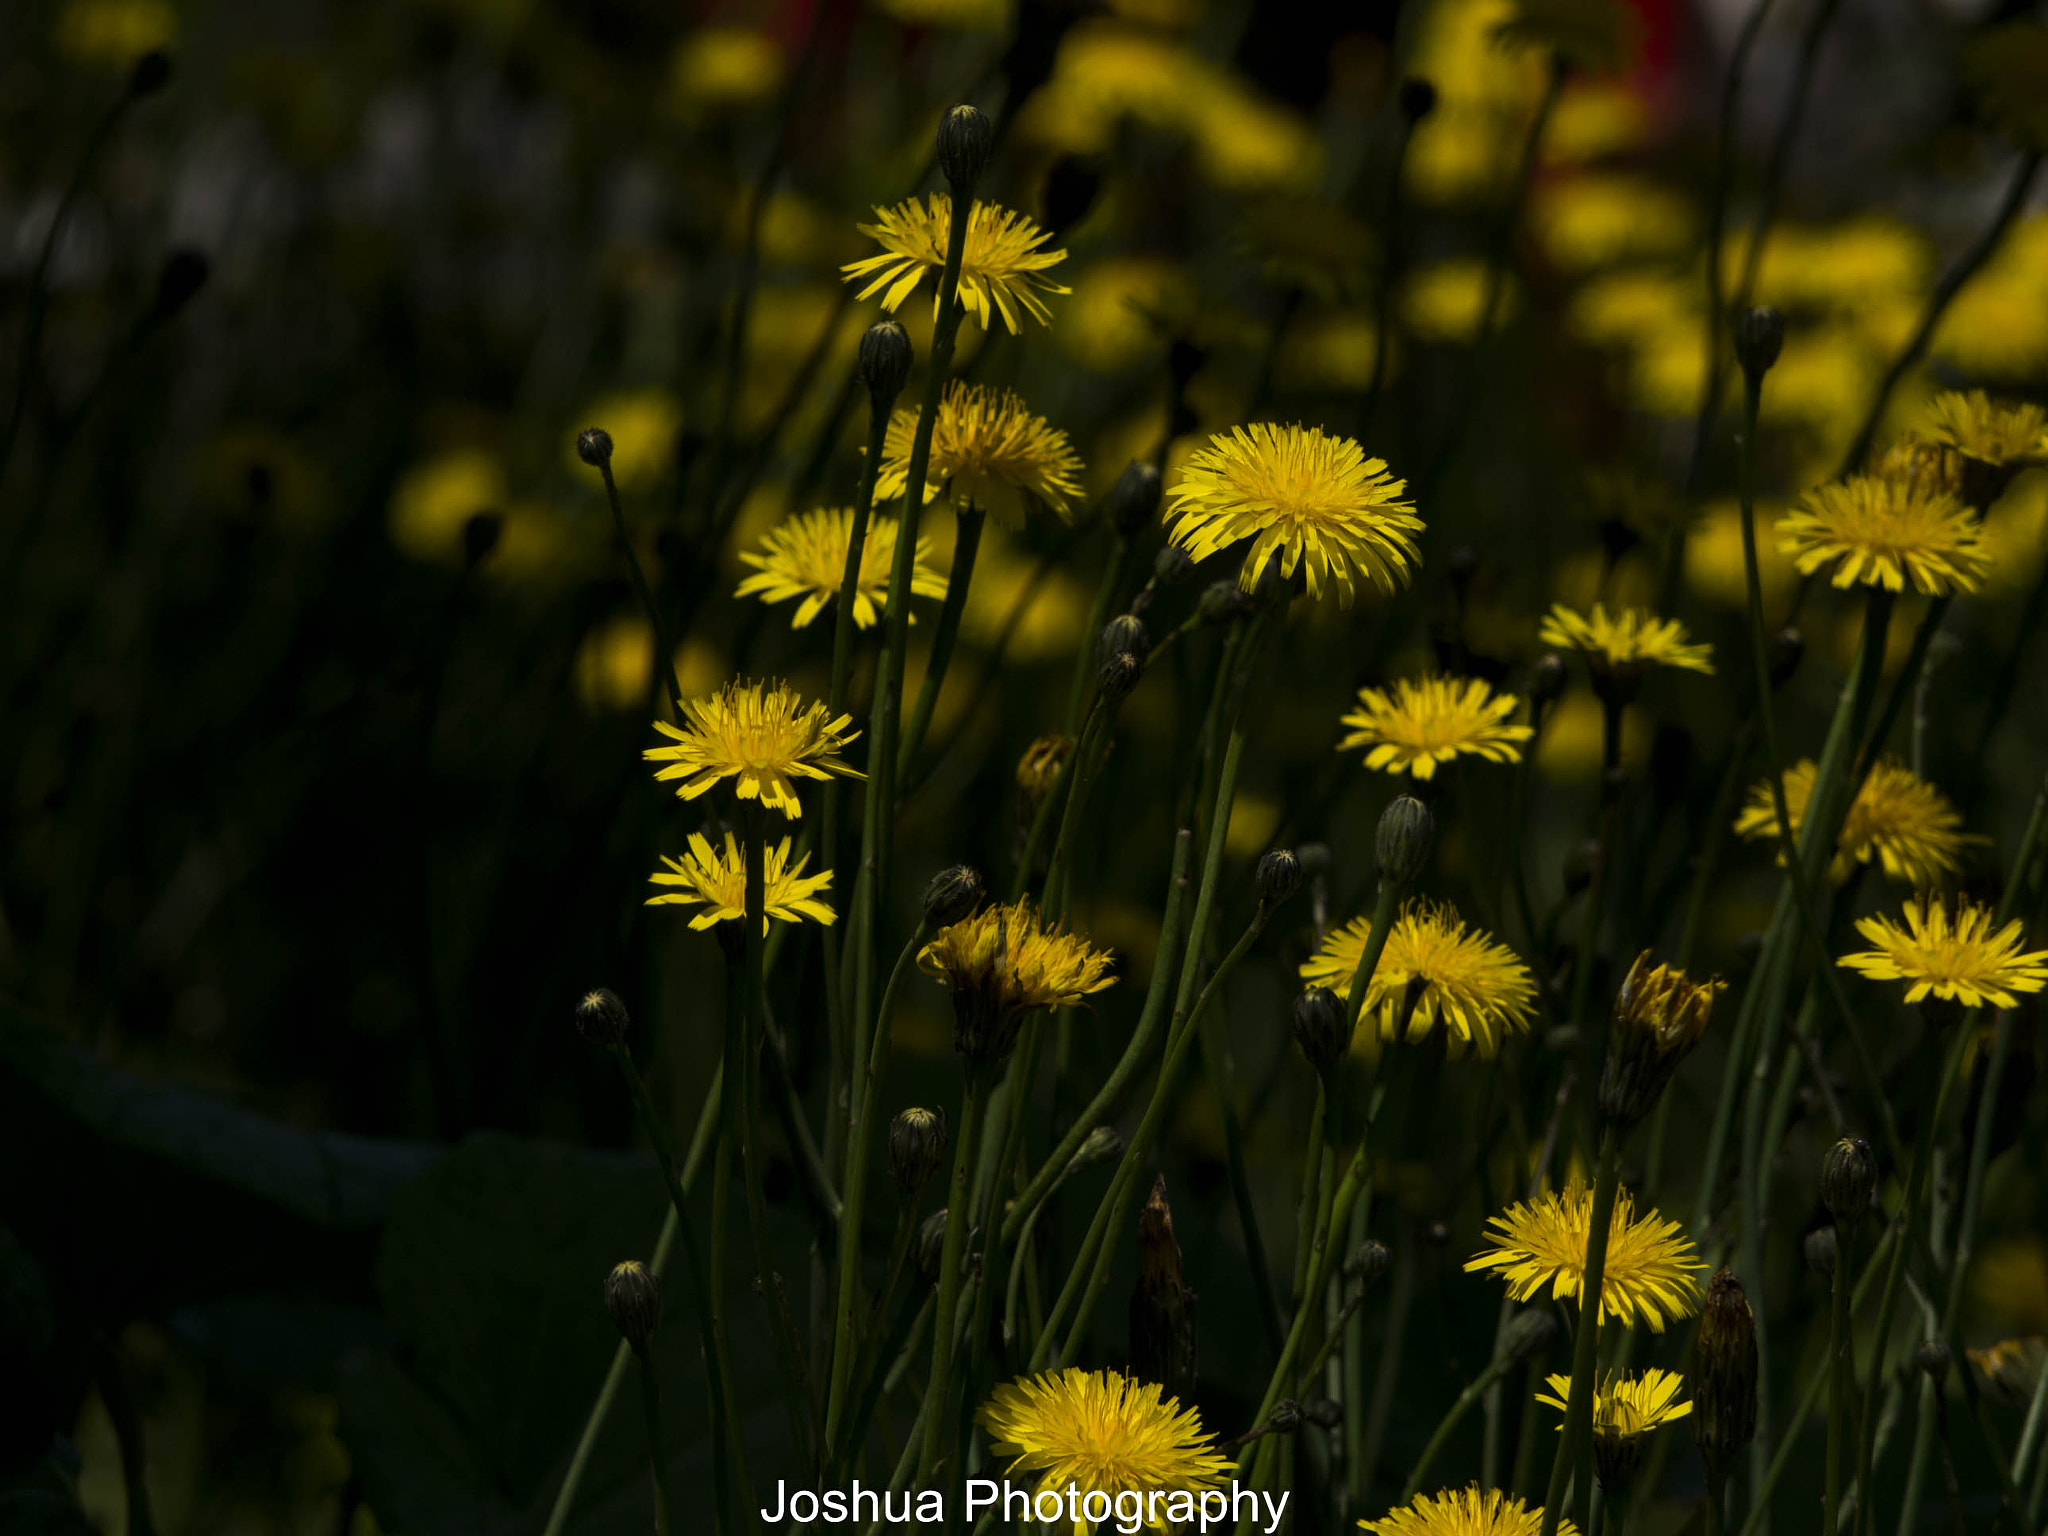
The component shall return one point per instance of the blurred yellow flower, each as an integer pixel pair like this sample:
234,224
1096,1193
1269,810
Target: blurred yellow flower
116,32
643,424
1597,220
1714,564
1121,310
715,67
615,664
1991,433
1247,143
1997,326
1837,267
1330,349
1253,821
1595,118
1630,640
2009,1280
1054,609
1599,35
1897,817
435,499
1442,303
2014,537
1636,307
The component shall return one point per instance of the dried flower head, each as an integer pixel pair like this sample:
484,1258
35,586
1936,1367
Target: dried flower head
1001,267
1948,950
1724,1373
1878,531
1421,723
759,734
989,450
1898,818
806,558
1541,1243
718,882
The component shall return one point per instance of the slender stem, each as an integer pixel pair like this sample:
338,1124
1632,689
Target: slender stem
1839,1344
642,591
1717,1502
1215,1062
938,1396
1578,1418
1312,1174
1389,274
1385,903
1495,1369
1084,652
650,1402
966,541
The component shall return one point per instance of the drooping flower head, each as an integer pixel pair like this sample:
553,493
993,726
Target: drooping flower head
1878,531
759,734
1476,989
1101,1431
1001,268
990,450
1541,1244
1419,723
717,881
1312,500
1948,950
1464,1512
1625,644
1900,819
1625,1410
1659,1015
1003,962
806,558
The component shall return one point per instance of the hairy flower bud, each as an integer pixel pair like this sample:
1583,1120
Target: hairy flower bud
1528,1333
1371,1259
601,1017
931,1246
917,1145
1221,601
966,139
1125,632
1659,1015
1401,844
632,1295
1934,1357
1277,877
1172,566
1101,1144
1759,338
1322,1027
1118,676
1848,1179
1724,1374
1134,500
885,359
951,896
1162,1313
1286,1417
594,447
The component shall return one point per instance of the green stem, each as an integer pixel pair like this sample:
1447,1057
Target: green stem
1578,1418
1312,1175
938,1396
1098,616
650,1402
1447,1426
966,541
1216,1063
1839,1343
642,591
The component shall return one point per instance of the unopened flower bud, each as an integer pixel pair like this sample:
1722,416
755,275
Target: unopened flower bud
1322,1027
1323,1412
1724,1374
632,1295
1134,500
1100,1145
1371,1258
1119,675
1071,187
1172,566
1822,1248
885,358
1417,98
594,446
1221,601
931,1246
1528,1333
1401,844
601,1017
1546,678
1848,1179
951,896
1934,1357
1125,632
1286,1417
917,1145
1786,650
966,140
1162,1313
1659,1015
1759,338
1278,876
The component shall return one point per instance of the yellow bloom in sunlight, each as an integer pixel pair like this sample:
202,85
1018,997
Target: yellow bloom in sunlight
724,67
1101,1431
1477,989
1540,1245
1947,949
1000,267
990,450
806,558
1999,435
1879,533
1312,500
1625,1410
1433,720
760,734
1003,962
718,883
1898,818
1631,640
1465,1512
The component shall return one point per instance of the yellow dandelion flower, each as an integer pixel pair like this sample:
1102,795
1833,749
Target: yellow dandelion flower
1001,266
1312,499
1432,720
718,882
1999,435
990,450
1445,302
760,734
1541,1244
806,558
1464,1512
1102,1431
1884,534
1625,1410
1948,950
1630,640
1477,989
1039,768
2011,1368
1003,962
1596,220
1902,820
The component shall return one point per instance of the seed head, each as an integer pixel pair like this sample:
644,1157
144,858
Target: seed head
632,1295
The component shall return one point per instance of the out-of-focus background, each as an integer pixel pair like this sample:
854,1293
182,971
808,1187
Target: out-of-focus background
322,690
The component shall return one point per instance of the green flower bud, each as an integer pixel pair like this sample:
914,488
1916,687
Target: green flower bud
1823,1248
1402,842
1126,633
632,1295
1848,1179
1322,1027
601,1017
1528,1334
1277,877
966,139
951,896
885,359
917,1145
1134,501
594,446
1759,338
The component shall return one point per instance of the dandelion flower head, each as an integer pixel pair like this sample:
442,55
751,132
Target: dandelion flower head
991,450
1626,642
759,734
1879,531
1464,1512
1001,963
1978,428
1477,989
1002,267
1625,1406
1898,818
806,558
717,881
1541,1244
1949,950
1417,725
1100,1431
1311,499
